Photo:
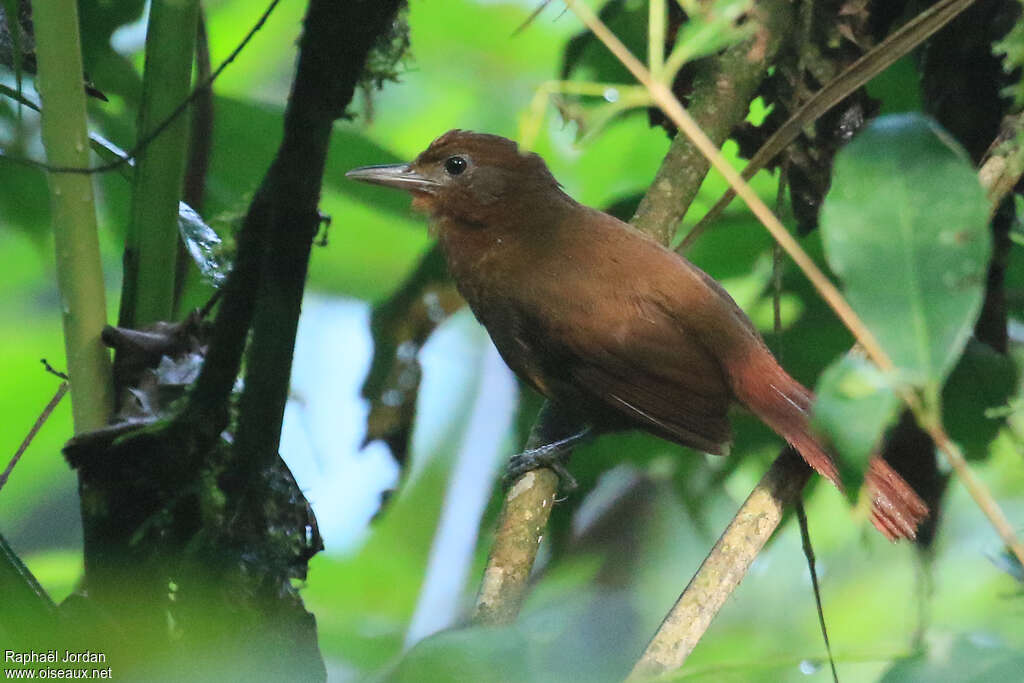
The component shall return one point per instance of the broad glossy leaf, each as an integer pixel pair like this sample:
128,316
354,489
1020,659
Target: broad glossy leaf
906,229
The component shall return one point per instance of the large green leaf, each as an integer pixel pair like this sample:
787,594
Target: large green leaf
905,228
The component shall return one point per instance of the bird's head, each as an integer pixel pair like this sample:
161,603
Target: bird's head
473,178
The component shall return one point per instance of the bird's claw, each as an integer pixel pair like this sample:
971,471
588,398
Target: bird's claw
537,458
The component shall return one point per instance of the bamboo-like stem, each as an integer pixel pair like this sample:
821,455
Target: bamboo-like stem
725,566
151,249
79,271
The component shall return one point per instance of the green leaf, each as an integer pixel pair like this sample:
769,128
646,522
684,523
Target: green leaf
854,406
905,227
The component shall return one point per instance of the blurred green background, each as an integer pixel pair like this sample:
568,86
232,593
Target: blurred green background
623,546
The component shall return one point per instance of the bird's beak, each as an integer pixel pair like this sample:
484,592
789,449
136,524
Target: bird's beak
399,176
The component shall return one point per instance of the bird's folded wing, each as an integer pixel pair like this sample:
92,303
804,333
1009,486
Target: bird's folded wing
652,372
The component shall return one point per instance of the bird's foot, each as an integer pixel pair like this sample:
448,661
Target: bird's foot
554,456
535,459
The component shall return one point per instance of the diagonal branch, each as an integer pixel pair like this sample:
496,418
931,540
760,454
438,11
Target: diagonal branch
725,566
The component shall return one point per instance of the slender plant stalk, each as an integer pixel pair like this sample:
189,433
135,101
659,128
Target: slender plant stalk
79,272
657,15
27,441
151,249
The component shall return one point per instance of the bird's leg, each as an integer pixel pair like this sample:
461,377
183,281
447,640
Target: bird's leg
551,441
553,455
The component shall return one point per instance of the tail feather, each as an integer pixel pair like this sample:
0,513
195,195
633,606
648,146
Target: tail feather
896,509
784,405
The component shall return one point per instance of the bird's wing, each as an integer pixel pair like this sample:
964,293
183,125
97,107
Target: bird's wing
652,372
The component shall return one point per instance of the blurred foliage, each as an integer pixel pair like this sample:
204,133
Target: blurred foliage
620,548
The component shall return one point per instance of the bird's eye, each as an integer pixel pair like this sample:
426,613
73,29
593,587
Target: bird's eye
455,165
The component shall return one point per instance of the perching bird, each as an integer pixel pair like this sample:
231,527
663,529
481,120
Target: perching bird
607,323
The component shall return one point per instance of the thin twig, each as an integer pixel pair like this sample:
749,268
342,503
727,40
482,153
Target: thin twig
533,15
40,421
805,541
979,492
53,371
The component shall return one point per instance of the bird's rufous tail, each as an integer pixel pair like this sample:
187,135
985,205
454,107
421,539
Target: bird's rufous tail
784,404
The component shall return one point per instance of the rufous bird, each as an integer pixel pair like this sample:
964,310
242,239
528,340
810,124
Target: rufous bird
613,328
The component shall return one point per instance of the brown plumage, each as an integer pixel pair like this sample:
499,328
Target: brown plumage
603,320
